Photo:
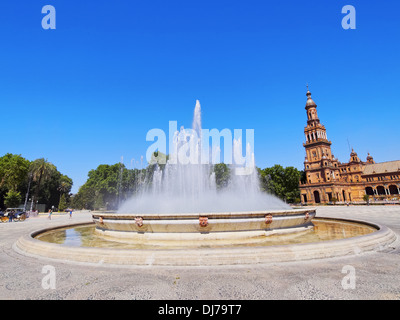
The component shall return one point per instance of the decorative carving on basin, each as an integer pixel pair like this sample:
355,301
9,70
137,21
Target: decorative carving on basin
268,218
139,221
197,225
203,221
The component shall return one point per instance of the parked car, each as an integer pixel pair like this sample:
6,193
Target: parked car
18,214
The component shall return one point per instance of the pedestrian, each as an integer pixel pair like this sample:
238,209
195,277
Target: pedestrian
70,213
10,216
50,212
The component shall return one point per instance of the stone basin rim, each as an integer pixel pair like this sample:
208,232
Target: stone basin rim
231,214
378,229
205,257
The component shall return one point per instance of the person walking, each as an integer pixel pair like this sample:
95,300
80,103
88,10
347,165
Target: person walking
50,212
70,213
10,216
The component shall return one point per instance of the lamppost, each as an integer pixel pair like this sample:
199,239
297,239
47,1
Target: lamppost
27,192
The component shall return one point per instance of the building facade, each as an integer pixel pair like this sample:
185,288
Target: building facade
330,181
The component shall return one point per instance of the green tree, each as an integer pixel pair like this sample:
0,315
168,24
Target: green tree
222,175
366,198
159,158
62,205
12,199
18,174
13,175
41,170
102,186
98,202
13,171
64,188
85,197
109,185
282,182
50,189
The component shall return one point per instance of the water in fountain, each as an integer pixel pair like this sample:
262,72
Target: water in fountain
191,187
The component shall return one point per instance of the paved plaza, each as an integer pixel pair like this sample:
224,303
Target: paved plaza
376,274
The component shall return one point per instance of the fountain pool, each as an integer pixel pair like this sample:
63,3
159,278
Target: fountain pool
182,218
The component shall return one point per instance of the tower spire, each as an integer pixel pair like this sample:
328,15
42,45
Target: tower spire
310,102
315,131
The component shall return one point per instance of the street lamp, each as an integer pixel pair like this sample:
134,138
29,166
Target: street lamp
27,192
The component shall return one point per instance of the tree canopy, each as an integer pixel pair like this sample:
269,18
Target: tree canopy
39,180
108,185
13,171
282,182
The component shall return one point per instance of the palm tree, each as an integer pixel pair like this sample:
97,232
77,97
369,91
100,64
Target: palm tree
41,171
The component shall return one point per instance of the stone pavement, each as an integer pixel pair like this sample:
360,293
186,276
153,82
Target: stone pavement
377,274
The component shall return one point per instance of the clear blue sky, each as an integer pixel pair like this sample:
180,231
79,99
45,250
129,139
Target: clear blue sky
87,92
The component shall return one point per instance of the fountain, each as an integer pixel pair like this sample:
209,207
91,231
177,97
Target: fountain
183,218
183,201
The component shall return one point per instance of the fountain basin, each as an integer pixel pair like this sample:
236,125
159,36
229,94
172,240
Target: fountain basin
367,237
201,226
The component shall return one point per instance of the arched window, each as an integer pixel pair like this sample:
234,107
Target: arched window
380,190
369,191
393,189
